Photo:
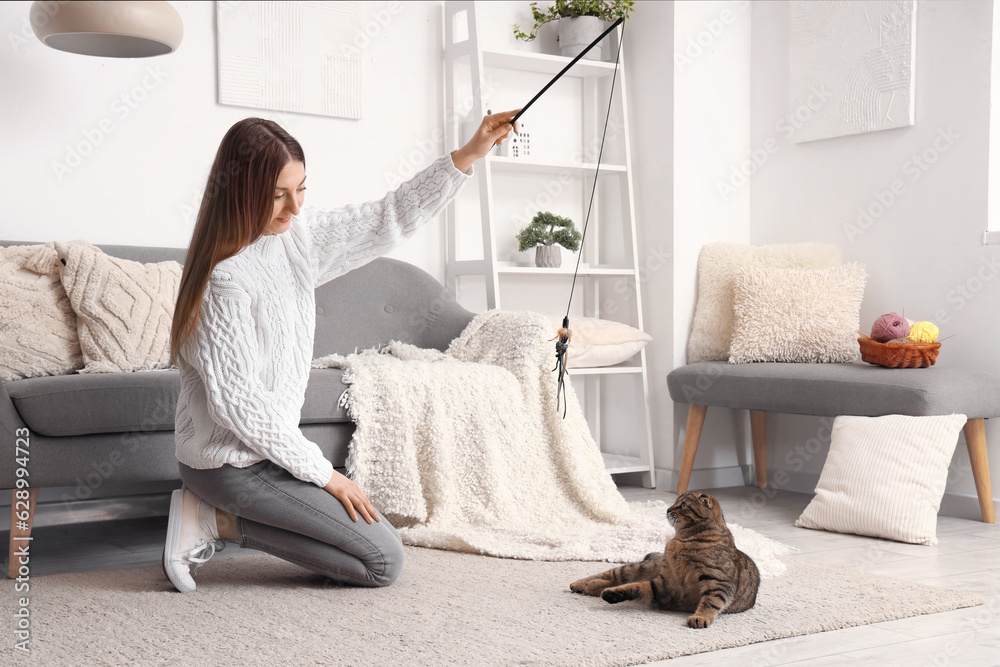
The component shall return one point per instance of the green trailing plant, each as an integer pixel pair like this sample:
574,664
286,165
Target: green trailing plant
606,10
548,228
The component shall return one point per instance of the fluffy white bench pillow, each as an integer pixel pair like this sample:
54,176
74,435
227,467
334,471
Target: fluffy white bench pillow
718,265
797,315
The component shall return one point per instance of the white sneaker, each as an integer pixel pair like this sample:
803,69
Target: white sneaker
192,538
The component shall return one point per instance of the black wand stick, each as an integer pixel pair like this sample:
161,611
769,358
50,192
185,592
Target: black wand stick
566,69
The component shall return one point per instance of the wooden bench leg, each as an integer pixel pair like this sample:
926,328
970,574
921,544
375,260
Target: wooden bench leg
696,419
16,531
758,434
975,440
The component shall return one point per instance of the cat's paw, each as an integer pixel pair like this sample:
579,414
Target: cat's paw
699,621
615,595
589,586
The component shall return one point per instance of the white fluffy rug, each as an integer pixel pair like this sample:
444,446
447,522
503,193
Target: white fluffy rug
446,608
467,451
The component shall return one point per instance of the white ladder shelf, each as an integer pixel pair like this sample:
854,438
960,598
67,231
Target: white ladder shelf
463,46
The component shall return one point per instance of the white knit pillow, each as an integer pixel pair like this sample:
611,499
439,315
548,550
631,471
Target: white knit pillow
797,315
884,477
37,325
124,309
718,265
597,343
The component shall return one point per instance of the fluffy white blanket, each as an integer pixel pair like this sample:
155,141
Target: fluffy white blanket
466,451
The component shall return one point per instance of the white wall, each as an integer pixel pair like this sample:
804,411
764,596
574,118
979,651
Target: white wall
649,52
141,182
712,97
926,249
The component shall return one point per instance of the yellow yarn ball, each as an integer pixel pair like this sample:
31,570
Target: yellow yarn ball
923,332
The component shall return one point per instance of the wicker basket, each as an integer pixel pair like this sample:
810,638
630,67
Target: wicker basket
898,355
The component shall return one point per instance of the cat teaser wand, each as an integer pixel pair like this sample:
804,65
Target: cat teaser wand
564,335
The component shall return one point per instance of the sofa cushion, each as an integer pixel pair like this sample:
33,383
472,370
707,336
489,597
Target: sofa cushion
141,401
837,389
123,308
37,325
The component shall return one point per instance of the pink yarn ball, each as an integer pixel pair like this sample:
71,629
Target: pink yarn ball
890,326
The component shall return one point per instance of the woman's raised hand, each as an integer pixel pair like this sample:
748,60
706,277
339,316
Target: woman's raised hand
350,494
495,129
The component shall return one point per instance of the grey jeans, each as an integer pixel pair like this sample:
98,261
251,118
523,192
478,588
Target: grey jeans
299,522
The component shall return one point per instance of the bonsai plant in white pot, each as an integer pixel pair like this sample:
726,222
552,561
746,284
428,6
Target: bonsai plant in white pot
580,23
546,232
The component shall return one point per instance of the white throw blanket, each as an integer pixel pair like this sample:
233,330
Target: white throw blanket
466,451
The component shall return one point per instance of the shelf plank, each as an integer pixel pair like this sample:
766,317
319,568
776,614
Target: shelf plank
617,463
528,164
565,269
477,266
602,370
544,63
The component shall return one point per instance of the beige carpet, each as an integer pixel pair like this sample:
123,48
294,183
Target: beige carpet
446,609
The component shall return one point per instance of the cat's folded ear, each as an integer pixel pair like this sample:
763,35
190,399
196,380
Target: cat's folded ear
707,500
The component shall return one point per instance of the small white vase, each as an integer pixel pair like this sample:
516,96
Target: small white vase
575,34
548,256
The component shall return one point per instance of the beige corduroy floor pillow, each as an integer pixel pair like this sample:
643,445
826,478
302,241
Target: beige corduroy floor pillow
124,309
885,476
37,325
718,265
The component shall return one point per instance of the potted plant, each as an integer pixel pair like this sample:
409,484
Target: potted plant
546,232
580,23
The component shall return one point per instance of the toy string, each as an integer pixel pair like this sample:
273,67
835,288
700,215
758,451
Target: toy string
564,334
597,172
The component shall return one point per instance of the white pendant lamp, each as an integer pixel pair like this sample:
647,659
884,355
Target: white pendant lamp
109,29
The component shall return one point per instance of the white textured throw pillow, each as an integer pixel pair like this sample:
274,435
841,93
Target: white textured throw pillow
809,315
597,343
37,325
884,477
718,265
124,309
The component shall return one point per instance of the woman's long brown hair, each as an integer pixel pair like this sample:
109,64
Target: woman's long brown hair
235,211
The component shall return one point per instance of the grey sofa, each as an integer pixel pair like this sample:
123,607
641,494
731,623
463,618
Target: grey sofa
118,428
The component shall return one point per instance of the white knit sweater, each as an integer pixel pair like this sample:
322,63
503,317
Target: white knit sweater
244,373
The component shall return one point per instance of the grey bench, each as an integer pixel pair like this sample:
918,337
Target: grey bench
831,390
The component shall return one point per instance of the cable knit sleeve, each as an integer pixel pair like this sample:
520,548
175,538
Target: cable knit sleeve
342,239
226,357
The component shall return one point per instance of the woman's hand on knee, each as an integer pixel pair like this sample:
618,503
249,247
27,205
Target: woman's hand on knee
351,496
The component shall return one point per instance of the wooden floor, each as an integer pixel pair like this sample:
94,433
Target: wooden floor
967,558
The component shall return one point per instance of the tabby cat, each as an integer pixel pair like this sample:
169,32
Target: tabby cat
700,572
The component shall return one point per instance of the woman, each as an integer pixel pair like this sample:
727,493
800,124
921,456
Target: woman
242,335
